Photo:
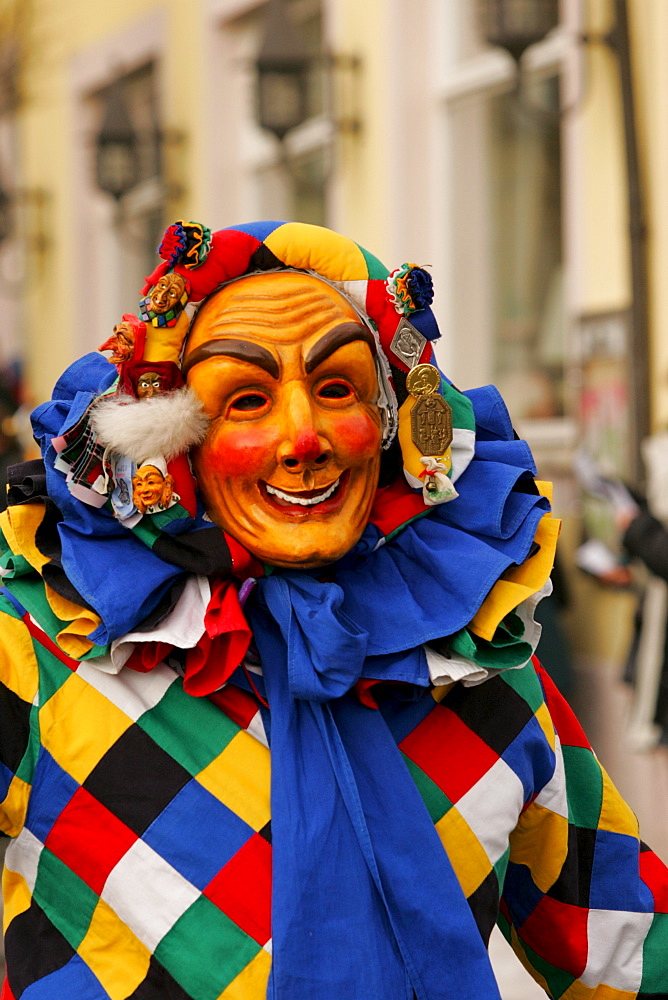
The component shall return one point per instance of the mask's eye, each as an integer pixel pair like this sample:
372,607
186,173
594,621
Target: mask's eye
250,401
335,390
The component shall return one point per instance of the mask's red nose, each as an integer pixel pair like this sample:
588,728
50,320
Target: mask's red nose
307,446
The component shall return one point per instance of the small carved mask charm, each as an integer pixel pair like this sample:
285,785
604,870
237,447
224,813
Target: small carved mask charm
150,384
167,293
151,488
166,301
121,343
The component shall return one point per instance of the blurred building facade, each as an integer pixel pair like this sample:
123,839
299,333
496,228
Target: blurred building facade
429,132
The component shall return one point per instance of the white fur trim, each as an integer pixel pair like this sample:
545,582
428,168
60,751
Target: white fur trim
167,424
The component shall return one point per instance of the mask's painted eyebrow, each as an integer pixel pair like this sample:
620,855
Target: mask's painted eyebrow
344,333
242,350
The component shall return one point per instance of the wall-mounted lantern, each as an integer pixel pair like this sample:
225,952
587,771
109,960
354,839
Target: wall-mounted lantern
116,146
284,69
282,66
514,25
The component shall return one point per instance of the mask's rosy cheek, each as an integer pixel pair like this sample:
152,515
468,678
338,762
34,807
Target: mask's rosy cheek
355,434
240,452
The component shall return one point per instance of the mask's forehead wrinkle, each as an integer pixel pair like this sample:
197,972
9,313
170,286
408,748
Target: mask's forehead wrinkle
307,310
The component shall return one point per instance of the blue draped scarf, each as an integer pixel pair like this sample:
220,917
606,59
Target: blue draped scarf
366,903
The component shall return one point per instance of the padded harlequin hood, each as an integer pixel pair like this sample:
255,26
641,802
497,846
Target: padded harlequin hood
265,246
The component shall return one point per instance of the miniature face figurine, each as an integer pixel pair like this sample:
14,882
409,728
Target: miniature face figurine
121,343
150,384
285,369
167,292
150,488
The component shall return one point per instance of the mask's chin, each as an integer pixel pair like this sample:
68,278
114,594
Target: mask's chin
310,556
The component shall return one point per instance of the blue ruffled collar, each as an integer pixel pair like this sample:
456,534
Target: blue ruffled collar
427,581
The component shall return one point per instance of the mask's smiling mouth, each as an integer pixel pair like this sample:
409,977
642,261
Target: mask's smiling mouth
307,498
306,501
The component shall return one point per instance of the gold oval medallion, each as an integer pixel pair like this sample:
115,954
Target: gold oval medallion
423,380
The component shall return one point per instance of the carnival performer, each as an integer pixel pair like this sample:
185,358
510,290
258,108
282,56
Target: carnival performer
277,730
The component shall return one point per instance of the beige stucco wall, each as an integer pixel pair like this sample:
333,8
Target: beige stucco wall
362,177
388,176
599,173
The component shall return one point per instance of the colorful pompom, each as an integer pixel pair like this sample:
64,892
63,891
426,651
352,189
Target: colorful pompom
185,243
410,289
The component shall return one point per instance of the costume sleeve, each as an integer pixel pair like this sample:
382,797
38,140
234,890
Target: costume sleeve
19,742
647,539
585,903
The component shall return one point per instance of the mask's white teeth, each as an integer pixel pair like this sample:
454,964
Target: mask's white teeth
302,501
